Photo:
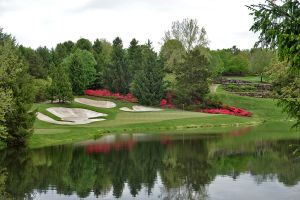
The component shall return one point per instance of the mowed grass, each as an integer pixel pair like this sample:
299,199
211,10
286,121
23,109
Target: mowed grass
263,108
254,79
167,121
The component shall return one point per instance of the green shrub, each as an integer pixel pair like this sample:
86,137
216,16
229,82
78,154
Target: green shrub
40,89
212,101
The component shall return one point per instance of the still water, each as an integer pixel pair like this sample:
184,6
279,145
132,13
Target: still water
170,166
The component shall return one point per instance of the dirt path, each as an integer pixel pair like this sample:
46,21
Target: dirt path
213,88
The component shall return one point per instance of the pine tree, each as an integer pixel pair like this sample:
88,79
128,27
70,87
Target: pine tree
60,88
148,84
135,58
117,76
101,51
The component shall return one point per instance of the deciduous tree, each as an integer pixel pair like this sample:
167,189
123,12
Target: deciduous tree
18,122
84,44
172,53
81,66
260,60
189,33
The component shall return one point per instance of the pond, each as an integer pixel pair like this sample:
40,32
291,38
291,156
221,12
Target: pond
157,166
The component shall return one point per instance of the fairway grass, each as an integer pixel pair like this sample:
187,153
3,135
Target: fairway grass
167,121
253,79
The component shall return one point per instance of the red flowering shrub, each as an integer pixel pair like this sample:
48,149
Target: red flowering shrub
106,93
163,102
89,92
228,111
167,103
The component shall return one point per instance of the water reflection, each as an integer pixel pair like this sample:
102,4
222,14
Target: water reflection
152,167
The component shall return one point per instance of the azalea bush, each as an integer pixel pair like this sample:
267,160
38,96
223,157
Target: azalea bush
106,93
167,102
228,111
211,104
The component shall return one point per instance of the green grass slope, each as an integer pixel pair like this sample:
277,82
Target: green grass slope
168,121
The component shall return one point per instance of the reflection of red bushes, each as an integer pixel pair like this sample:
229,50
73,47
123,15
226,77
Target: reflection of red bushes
106,93
165,140
229,111
240,131
106,148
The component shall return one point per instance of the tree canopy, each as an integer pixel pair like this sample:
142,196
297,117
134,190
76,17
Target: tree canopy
192,78
188,32
17,124
171,53
117,75
148,84
278,23
81,67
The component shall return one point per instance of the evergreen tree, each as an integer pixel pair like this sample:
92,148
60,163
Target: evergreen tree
135,58
148,84
192,78
35,62
81,67
46,57
14,78
61,51
117,76
101,52
60,88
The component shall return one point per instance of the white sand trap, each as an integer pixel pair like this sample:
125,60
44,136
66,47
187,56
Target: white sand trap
99,104
71,116
140,109
45,118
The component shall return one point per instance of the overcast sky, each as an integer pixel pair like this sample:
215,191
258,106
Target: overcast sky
47,22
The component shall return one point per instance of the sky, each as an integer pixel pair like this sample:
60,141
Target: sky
37,23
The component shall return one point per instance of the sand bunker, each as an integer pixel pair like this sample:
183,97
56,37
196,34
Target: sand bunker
71,116
99,104
140,109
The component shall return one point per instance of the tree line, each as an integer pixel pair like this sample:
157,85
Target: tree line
184,68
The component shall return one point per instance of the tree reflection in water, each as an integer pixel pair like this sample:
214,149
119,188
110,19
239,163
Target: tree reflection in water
182,167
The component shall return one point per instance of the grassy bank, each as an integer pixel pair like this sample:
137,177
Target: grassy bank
253,79
167,121
118,121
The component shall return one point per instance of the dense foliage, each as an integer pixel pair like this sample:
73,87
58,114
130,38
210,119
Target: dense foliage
279,25
192,78
81,68
60,88
16,116
117,77
148,85
184,67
